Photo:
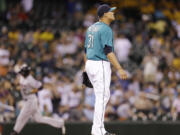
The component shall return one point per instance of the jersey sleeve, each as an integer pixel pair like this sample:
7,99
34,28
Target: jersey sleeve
34,83
107,37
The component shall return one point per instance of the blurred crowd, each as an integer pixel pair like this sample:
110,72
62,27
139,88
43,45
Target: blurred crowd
49,37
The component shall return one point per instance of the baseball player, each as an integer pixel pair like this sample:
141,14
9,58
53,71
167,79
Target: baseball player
29,88
99,53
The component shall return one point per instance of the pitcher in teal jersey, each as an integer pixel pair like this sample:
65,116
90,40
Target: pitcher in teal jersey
99,53
98,35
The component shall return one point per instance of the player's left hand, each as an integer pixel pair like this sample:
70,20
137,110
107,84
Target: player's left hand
122,74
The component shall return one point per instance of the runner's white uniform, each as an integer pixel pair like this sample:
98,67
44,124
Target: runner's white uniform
30,108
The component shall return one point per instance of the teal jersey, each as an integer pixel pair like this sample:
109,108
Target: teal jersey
97,36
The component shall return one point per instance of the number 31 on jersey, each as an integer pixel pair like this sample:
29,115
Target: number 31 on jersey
90,42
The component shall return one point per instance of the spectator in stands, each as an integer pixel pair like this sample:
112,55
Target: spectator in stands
51,42
122,46
176,108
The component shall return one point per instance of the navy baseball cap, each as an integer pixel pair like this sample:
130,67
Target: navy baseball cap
104,9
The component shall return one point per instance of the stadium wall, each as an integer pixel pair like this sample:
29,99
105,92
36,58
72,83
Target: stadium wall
83,128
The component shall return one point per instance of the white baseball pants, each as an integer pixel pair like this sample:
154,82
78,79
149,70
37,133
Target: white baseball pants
99,73
31,109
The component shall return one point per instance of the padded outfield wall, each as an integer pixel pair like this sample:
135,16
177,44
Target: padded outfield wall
82,128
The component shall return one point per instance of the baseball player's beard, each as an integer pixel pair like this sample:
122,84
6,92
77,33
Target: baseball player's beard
25,74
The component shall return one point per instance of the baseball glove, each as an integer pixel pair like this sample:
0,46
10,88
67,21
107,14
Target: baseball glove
86,80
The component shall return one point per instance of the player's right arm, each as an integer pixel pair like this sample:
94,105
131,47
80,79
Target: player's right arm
85,58
173,110
107,41
113,60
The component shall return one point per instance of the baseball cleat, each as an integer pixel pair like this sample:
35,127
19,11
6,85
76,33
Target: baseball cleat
109,133
14,133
